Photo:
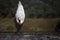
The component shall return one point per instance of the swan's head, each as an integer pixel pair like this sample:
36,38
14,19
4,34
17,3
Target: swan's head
19,20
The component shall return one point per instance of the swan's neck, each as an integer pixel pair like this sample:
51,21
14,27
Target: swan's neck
19,4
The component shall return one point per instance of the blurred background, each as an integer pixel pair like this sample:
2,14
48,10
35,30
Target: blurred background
41,15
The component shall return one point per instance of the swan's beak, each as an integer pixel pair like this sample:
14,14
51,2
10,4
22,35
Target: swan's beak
19,21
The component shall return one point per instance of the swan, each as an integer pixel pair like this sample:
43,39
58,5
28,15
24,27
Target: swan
19,16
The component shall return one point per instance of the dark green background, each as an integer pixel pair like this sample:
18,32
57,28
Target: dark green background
41,15
33,8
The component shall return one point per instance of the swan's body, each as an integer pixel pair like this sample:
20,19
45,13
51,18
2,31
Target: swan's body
19,16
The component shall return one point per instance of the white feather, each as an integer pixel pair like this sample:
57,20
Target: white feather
20,13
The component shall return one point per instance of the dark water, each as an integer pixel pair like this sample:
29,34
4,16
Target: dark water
30,36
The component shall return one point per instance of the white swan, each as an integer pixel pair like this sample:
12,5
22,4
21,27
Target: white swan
19,16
